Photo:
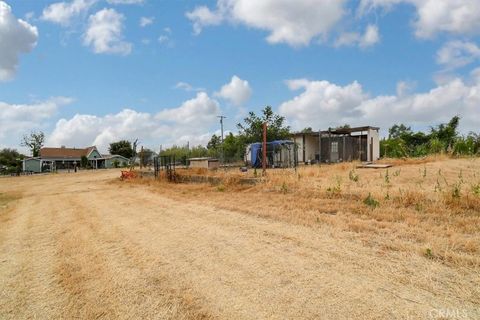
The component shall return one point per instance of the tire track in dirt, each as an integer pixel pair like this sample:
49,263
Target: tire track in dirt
226,253
121,272
26,268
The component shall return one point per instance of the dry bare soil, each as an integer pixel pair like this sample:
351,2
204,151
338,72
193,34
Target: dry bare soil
322,243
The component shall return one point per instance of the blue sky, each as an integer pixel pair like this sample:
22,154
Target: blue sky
88,72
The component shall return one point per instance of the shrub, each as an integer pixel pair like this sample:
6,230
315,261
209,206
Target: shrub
370,201
428,253
353,176
476,189
284,188
436,146
456,191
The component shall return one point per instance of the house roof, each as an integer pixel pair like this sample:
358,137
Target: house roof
65,153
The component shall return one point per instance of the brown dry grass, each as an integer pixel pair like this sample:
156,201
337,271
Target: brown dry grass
429,206
296,246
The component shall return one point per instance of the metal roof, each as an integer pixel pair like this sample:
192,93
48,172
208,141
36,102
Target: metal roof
339,131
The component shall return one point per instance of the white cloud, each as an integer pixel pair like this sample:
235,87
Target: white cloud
238,91
19,119
163,39
202,16
435,16
125,1
293,22
63,12
368,39
146,21
475,74
201,109
104,33
187,87
456,54
405,88
323,104
16,37
191,122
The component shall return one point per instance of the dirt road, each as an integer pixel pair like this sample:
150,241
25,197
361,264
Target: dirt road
82,246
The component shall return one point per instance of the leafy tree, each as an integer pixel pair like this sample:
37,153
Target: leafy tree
307,130
122,148
84,162
34,141
393,148
251,130
436,146
464,146
10,161
214,143
447,132
182,153
234,148
399,131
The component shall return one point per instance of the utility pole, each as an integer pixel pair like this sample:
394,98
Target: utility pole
223,150
264,149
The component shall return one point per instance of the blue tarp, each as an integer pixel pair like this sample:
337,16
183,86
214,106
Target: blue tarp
256,150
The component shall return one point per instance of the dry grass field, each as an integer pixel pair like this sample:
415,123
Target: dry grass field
329,242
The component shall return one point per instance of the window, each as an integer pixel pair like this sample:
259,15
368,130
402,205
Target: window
334,147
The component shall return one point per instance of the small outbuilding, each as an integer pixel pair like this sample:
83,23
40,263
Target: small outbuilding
32,165
115,161
338,145
205,163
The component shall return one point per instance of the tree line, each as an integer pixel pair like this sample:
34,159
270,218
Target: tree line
234,145
402,141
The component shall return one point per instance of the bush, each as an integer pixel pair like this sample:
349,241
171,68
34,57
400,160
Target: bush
464,146
370,201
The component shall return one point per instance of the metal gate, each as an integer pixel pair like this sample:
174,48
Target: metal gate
164,166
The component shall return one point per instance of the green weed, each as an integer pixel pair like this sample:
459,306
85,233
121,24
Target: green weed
370,201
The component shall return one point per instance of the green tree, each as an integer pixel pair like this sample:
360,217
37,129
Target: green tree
464,146
399,131
182,153
447,132
122,148
251,130
393,148
10,161
84,162
307,130
234,148
214,143
436,146
34,141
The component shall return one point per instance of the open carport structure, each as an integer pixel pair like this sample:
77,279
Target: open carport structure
338,145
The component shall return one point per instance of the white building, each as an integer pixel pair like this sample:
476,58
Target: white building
338,145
